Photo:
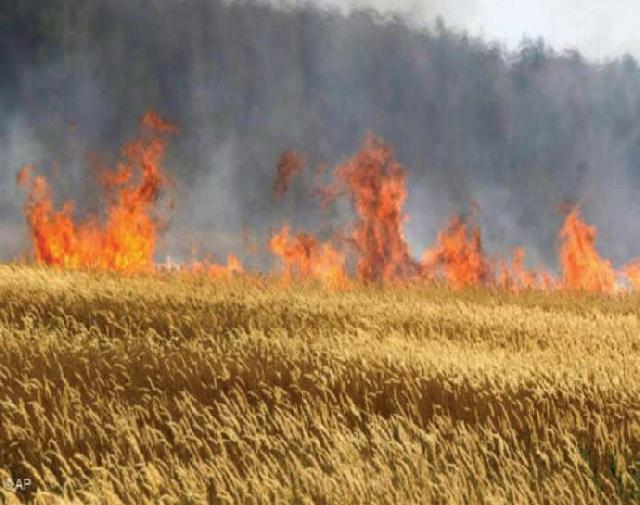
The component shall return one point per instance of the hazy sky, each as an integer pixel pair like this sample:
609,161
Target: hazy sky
598,28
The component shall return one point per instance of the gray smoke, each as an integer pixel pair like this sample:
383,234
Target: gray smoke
515,131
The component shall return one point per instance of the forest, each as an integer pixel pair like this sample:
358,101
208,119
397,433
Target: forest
511,133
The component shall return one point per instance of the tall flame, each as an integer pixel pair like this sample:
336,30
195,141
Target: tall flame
582,266
125,240
376,184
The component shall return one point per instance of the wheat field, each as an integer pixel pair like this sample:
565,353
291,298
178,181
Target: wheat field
185,390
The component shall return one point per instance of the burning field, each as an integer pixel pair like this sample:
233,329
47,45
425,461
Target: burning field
349,371
371,248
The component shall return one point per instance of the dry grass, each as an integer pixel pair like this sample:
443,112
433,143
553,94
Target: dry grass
169,390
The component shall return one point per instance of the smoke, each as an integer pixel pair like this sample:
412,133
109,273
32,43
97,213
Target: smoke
208,218
460,12
600,29
515,131
18,146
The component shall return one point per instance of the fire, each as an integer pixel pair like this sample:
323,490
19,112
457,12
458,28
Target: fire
124,237
582,266
304,257
458,256
514,276
125,240
376,184
210,268
632,272
54,234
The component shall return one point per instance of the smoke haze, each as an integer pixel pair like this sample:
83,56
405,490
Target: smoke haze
515,129
598,28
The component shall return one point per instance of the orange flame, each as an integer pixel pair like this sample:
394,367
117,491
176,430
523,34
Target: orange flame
305,258
632,271
458,256
233,267
376,184
126,241
514,276
582,266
